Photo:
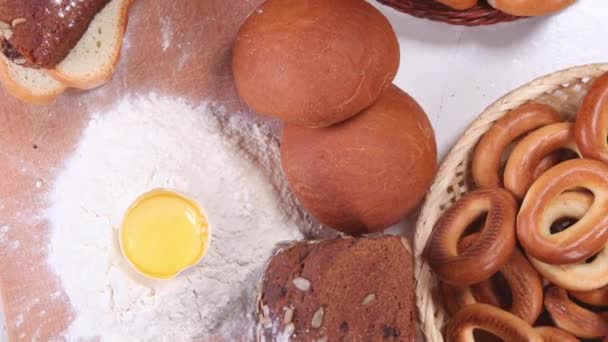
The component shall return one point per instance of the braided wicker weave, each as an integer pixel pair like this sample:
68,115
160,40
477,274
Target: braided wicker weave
563,90
482,14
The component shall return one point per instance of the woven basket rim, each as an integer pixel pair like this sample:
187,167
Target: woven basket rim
429,323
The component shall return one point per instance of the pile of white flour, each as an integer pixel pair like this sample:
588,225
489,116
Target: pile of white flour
230,166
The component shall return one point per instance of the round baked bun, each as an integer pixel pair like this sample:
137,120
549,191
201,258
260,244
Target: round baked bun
314,62
366,173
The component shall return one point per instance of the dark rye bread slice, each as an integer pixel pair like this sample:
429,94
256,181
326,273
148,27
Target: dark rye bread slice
47,29
351,289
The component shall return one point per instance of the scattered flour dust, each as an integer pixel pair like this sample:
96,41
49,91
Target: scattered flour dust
229,165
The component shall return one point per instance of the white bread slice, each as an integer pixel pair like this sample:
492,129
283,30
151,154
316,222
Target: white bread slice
28,84
91,62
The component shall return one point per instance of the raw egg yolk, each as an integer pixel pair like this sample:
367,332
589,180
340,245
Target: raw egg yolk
164,233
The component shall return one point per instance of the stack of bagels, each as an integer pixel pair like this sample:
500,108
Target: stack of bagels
531,241
358,152
521,8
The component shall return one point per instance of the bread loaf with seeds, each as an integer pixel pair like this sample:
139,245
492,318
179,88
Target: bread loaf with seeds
351,289
45,31
85,57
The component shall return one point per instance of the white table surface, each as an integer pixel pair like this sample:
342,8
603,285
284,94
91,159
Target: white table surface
456,72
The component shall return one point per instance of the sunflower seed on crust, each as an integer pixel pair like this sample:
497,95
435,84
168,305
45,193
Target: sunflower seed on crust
266,310
17,21
288,317
302,284
6,33
370,298
317,318
289,329
260,333
265,321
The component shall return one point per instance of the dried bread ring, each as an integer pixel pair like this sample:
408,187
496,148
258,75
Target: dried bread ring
525,284
530,153
552,334
546,163
490,319
581,276
530,8
493,144
489,252
573,318
540,210
591,126
455,297
459,4
597,297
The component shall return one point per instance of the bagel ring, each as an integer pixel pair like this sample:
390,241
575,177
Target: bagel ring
489,252
573,318
531,151
597,297
459,4
591,126
524,282
493,144
456,297
551,334
491,319
540,210
581,276
530,8
546,163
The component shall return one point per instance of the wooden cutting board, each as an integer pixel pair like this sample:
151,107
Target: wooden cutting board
172,47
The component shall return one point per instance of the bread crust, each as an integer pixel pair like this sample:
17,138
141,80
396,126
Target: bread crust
365,287
314,62
103,74
365,174
50,29
63,79
24,93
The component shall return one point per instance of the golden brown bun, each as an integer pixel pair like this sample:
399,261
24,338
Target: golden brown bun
314,62
366,173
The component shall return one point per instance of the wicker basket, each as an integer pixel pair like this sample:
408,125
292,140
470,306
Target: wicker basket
563,90
482,14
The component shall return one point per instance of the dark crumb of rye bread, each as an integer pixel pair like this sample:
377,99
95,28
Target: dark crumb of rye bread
390,332
51,28
344,273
